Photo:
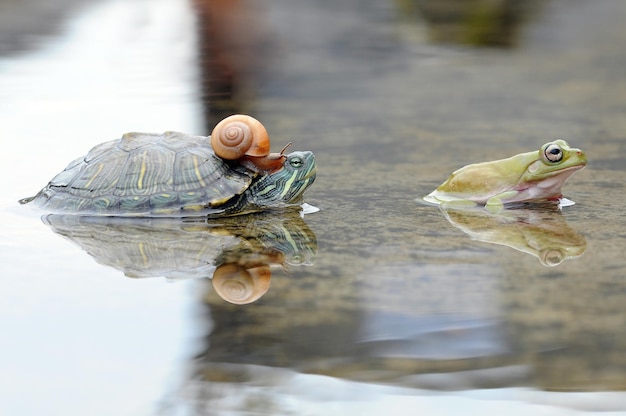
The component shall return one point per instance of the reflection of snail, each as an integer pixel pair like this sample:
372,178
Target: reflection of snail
244,138
239,285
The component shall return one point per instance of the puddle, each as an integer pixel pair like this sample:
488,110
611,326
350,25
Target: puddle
374,303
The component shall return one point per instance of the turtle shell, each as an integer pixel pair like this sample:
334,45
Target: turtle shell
146,174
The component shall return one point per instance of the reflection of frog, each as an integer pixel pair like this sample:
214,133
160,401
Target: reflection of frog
540,232
235,252
532,176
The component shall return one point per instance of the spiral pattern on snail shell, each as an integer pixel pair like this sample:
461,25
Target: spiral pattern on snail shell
240,286
240,135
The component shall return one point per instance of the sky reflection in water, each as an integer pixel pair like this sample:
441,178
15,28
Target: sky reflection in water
406,300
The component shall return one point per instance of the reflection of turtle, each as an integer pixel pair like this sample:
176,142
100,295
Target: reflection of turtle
174,174
235,251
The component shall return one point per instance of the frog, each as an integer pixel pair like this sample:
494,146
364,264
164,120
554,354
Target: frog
535,176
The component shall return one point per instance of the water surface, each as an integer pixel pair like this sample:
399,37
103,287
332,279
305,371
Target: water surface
394,305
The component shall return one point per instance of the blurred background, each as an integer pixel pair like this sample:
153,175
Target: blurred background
376,303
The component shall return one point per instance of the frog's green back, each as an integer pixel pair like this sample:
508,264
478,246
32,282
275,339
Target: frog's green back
479,178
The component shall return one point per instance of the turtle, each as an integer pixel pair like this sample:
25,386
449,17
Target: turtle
174,174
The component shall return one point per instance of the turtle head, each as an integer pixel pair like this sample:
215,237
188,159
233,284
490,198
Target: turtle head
287,185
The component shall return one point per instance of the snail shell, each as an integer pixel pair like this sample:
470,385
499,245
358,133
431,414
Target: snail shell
244,138
238,285
240,135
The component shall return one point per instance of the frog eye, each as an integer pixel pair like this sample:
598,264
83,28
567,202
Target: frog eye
553,153
296,162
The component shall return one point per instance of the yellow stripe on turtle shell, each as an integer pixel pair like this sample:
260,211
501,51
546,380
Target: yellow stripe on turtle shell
195,208
165,211
100,166
142,172
197,171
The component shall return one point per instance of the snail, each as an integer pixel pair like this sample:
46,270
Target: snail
243,138
240,285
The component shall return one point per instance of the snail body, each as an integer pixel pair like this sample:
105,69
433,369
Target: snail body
243,138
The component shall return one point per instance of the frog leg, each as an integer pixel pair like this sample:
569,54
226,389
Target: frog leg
436,198
495,204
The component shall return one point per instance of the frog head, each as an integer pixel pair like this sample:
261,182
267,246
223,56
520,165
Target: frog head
550,167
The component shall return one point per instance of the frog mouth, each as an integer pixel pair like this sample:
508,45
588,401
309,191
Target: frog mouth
568,170
557,178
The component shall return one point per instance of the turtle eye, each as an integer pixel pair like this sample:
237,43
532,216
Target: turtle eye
296,162
553,153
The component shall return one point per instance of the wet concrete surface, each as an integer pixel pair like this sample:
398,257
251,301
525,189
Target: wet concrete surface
398,295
